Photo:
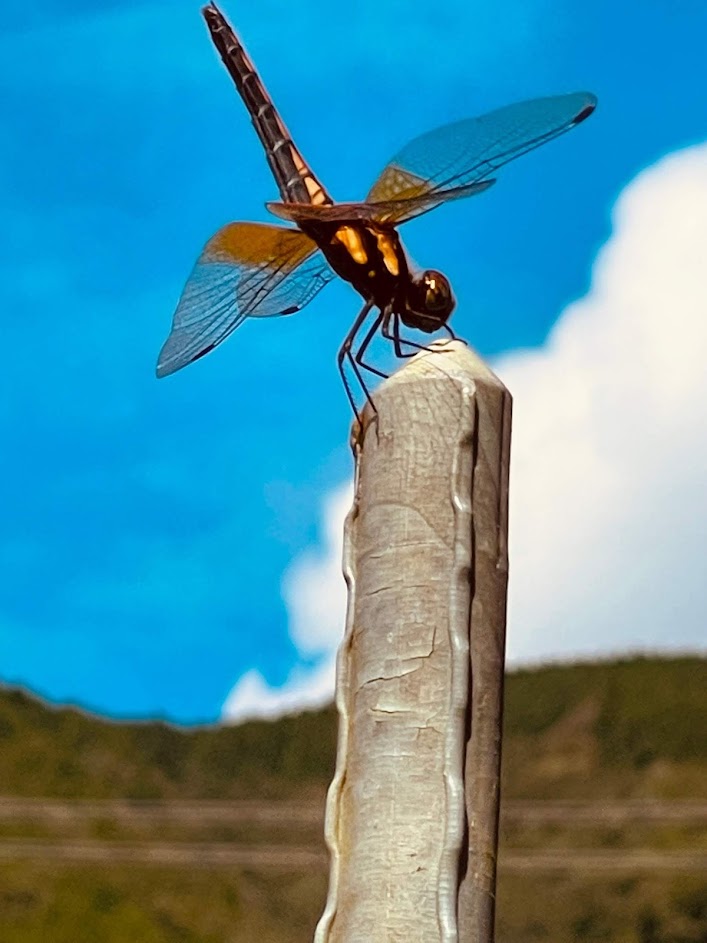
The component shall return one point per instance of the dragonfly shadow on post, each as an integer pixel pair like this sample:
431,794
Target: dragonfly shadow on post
256,270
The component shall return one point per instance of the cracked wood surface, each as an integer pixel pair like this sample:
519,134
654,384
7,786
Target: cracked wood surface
412,810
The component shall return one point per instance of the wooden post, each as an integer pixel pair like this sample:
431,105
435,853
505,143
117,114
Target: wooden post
412,812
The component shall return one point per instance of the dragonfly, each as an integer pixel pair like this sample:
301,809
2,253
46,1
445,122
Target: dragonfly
257,270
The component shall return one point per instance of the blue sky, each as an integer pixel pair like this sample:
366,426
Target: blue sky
147,526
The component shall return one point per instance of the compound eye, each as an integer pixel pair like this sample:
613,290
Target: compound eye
438,294
434,298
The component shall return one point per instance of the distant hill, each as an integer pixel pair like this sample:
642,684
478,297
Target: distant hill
629,728
634,727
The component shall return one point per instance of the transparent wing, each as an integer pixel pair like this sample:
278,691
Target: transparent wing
382,211
441,162
245,270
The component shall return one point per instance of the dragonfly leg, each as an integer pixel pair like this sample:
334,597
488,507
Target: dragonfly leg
398,340
358,356
345,354
452,335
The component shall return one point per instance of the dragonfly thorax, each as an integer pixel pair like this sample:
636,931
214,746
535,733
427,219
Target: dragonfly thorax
429,301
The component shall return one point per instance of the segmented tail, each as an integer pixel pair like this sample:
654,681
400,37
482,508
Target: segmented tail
294,177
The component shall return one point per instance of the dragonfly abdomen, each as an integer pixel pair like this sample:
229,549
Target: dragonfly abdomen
294,177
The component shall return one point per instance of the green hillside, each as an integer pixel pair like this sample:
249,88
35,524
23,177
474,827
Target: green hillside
629,729
636,727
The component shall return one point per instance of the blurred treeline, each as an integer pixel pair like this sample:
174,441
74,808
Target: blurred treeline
629,729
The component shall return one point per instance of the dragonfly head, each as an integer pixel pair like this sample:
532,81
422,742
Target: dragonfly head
429,302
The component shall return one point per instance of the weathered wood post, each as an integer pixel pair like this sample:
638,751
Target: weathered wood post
412,812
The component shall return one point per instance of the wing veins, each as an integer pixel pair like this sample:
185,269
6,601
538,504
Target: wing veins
228,284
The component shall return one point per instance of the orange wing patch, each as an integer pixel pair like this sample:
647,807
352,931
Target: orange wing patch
399,184
255,244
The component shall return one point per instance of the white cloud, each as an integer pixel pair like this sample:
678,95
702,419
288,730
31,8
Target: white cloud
313,588
313,585
609,462
608,500
253,697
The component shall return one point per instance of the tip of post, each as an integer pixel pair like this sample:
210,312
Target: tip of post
453,359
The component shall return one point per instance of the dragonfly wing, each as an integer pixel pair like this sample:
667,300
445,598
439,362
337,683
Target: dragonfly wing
325,213
245,270
400,211
382,211
465,152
